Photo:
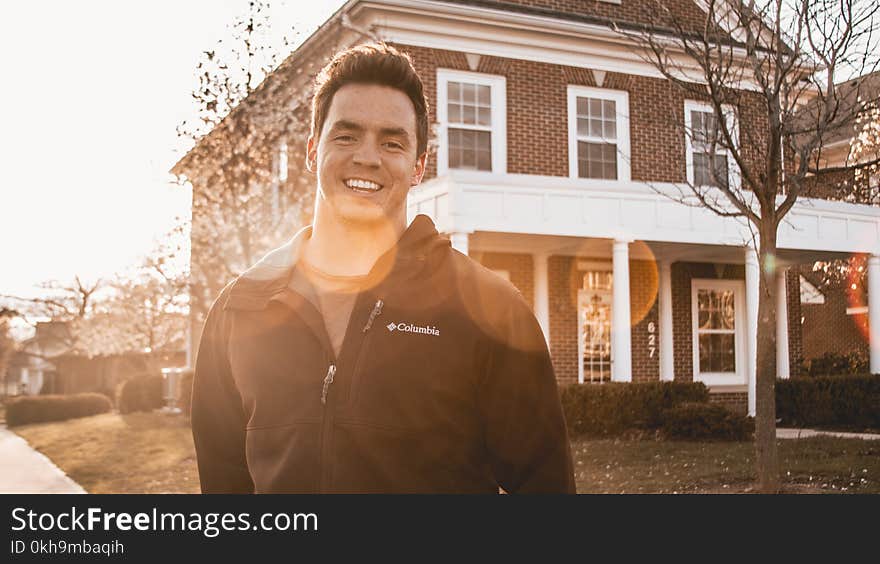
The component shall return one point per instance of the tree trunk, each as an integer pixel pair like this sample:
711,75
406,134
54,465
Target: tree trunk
767,461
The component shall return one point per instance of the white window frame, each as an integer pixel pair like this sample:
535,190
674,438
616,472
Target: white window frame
739,303
498,89
624,154
733,173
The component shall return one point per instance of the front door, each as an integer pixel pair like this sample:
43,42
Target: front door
594,335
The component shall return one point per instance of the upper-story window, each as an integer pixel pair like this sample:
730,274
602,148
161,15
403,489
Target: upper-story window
471,109
598,133
705,149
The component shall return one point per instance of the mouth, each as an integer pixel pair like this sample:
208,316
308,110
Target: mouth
362,186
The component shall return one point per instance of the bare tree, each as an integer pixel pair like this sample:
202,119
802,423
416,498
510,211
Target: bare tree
247,194
775,64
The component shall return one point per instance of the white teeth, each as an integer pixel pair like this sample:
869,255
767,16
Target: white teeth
362,184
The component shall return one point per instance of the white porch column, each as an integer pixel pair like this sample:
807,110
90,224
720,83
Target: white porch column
542,293
621,336
459,241
667,364
782,368
874,311
752,294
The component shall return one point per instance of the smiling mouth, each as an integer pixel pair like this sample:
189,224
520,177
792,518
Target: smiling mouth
362,186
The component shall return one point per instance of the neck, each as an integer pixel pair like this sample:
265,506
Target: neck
349,249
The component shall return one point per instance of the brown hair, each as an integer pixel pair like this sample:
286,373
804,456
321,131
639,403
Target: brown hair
375,63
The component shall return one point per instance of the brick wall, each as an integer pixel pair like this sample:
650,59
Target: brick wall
520,267
644,311
827,329
537,138
795,333
737,402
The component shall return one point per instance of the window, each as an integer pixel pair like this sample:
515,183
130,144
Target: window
718,323
598,133
701,129
471,109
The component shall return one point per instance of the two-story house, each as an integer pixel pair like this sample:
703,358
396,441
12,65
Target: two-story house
557,146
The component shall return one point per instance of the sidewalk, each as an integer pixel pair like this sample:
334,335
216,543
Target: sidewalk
24,470
805,433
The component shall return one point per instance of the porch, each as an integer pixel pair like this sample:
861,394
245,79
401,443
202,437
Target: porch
630,285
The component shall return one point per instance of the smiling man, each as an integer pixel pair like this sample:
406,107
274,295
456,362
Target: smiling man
366,355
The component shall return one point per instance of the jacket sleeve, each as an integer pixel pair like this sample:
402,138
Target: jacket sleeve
525,429
218,419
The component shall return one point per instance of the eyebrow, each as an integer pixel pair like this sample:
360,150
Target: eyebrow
387,131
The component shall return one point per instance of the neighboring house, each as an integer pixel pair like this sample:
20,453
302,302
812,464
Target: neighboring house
552,141
46,364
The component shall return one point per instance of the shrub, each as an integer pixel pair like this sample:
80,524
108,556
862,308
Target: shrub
832,364
705,421
140,393
609,409
829,401
37,409
184,395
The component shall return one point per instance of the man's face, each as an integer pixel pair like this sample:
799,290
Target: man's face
365,155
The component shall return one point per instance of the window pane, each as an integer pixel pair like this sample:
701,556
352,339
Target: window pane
702,175
597,160
470,149
716,309
582,109
468,114
595,108
454,91
583,126
608,107
454,113
468,93
595,128
717,353
611,130
485,116
483,95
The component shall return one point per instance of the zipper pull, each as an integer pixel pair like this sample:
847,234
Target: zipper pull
377,309
328,379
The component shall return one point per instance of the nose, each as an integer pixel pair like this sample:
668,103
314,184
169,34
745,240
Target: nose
367,154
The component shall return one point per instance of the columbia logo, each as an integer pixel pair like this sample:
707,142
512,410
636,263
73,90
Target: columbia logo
410,328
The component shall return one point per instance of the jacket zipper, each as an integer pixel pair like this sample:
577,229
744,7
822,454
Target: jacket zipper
328,379
327,418
355,375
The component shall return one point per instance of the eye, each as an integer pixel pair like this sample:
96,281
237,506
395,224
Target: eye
394,145
344,138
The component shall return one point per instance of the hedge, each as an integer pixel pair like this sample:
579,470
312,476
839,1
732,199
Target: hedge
37,409
829,401
140,393
705,421
609,409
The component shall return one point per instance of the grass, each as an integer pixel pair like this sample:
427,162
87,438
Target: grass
813,465
112,453
153,453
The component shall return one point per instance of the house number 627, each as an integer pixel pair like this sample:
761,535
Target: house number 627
652,339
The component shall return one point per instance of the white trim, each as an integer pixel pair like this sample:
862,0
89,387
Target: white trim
721,378
621,331
498,93
667,351
732,121
502,273
621,103
874,312
857,310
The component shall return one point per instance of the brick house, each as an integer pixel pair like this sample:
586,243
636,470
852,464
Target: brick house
554,145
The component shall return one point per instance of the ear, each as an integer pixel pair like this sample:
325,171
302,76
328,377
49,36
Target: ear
312,155
419,169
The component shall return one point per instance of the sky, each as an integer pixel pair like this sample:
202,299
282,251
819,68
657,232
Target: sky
91,98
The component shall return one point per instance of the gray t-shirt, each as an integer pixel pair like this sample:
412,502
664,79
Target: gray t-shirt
333,296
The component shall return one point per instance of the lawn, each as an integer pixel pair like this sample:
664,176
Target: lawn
153,453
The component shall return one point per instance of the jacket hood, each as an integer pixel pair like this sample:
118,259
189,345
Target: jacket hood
272,273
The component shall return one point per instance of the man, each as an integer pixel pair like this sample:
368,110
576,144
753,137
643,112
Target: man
365,355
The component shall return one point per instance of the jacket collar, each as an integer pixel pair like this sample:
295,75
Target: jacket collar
270,275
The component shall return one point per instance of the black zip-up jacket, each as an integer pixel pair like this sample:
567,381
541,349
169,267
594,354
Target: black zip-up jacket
443,383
